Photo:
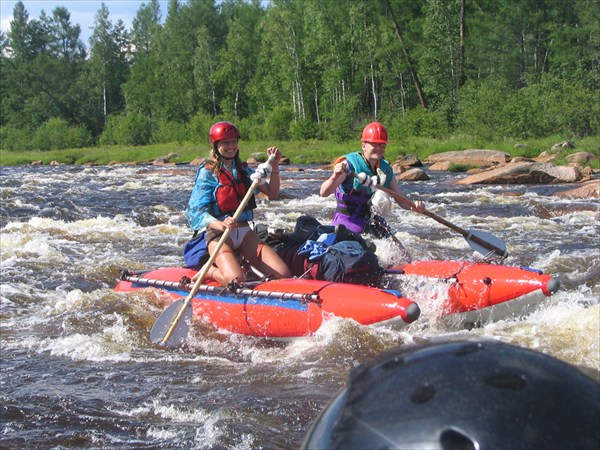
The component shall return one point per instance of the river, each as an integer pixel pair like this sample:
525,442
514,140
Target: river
78,369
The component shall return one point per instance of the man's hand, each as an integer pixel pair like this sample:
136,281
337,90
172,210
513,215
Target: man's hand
367,181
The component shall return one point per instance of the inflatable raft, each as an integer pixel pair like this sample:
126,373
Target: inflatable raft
282,309
478,292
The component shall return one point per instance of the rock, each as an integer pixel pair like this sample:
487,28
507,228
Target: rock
256,158
198,160
171,156
517,159
162,162
526,173
581,157
165,160
440,166
408,161
398,168
414,174
590,189
475,157
545,157
562,145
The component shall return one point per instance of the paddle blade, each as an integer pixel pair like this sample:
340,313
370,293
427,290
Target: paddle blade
164,321
483,242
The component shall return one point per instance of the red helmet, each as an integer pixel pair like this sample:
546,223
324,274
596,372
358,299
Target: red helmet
221,131
376,133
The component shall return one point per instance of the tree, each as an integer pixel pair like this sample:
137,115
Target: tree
141,84
108,63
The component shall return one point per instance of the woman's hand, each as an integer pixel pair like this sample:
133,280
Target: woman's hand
275,151
227,222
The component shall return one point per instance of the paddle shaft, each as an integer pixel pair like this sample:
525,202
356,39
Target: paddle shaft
466,234
212,258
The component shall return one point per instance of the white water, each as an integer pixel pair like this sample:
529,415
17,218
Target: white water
78,368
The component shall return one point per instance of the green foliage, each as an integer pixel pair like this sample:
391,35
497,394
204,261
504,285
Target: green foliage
56,134
131,129
459,167
339,127
302,130
419,122
305,70
164,132
479,107
198,127
277,125
14,139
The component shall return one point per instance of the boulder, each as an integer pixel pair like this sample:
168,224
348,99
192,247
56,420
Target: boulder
475,157
414,174
165,160
590,189
581,157
257,158
517,159
398,168
408,161
562,145
440,166
198,160
526,173
545,157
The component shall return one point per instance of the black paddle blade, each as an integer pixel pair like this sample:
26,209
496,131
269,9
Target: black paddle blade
483,242
166,319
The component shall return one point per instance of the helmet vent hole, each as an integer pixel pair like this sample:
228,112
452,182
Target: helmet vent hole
469,348
422,394
456,440
512,381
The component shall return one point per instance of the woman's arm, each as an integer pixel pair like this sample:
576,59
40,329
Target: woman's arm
198,210
271,189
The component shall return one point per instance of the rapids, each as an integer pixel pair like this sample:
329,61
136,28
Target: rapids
78,369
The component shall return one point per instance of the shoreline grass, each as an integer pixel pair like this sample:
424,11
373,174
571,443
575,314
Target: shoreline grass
299,152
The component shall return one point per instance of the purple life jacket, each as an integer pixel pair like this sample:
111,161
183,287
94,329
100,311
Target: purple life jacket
352,211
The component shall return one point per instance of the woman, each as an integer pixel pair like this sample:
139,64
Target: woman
220,186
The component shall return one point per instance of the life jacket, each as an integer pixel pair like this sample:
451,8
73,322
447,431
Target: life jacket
353,209
230,192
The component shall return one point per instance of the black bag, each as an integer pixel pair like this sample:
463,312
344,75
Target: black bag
349,262
307,227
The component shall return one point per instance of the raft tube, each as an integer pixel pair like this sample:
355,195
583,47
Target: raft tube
282,309
481,292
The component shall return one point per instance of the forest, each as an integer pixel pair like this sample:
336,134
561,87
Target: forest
302,70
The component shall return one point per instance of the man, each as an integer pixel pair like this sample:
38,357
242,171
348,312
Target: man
354,193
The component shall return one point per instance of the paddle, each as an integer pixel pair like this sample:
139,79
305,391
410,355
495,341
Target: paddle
480,241
169,329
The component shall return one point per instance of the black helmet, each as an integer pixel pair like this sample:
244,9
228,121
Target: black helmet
470,394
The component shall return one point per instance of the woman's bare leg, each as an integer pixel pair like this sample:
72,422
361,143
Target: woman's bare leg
263,257
228,266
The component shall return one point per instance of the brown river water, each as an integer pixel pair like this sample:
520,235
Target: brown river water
78,369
